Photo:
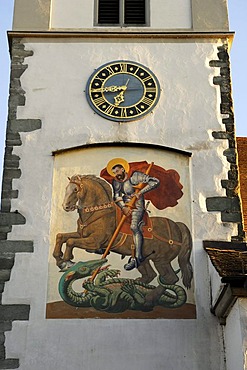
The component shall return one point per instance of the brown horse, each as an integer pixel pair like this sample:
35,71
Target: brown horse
92,197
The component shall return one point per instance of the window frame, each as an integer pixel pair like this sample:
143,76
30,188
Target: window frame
121,16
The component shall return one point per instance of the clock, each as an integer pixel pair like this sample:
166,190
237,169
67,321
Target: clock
122,91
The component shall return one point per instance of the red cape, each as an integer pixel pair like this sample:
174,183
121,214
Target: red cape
166,194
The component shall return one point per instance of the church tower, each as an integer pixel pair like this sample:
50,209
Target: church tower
122,242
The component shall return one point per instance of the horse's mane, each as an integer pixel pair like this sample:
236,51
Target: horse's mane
102,182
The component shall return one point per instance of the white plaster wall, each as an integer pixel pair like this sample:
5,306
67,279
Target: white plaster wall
171,14
78,14
72,14
242,302
234,340
184,119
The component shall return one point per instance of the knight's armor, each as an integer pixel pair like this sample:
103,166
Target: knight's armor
122,191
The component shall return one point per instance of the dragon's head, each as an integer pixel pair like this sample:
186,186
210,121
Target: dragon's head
78,271
83,269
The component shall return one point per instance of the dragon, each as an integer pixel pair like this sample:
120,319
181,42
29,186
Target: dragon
110,293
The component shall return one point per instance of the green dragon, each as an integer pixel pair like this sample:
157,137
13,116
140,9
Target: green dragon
110,293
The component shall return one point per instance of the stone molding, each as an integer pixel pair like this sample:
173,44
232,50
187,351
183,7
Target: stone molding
8,218
36,15
229,205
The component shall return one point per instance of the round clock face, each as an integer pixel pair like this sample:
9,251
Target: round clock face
122,91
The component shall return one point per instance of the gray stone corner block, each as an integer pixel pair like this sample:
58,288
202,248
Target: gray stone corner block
17,70
220,135
226,97
5,207
230,127
10,363
1,291
12,173
5,229
225,108
11,163
2,338
231,217
4,275
6,261
230,154
13,142
229,184
11,218
25,125
10,194
5,326
223,54
225,71
223,204
16,246
233,173
3,236
21,52
12,312
217,63
2,350
218,80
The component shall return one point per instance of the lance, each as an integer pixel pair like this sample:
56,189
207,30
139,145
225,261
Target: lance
130,204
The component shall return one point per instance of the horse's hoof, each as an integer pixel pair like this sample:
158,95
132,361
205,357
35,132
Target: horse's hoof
66,266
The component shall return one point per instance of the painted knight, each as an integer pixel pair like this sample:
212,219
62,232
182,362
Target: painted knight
124,189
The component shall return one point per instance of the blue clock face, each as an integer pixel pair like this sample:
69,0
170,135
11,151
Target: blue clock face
122,91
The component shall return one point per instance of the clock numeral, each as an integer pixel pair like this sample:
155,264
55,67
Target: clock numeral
147,101
136,71
124,113
138,110
110,70
100,78
123,67
99,101
110,109
147,79
151,89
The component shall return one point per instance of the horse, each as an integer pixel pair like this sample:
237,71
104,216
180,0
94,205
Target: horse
91,196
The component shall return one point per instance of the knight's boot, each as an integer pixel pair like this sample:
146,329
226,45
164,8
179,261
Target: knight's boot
134,262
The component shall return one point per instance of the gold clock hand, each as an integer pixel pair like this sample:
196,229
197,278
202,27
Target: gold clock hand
119,98
123,88
109,89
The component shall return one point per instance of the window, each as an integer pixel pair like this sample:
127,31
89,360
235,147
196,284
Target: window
122,12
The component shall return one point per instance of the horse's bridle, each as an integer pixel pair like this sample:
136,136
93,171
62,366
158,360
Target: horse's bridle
88,209
91,209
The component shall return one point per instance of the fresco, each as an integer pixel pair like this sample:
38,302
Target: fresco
121,244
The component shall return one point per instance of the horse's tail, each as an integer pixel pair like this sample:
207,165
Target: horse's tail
184,255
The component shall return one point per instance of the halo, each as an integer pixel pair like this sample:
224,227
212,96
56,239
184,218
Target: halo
113,162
